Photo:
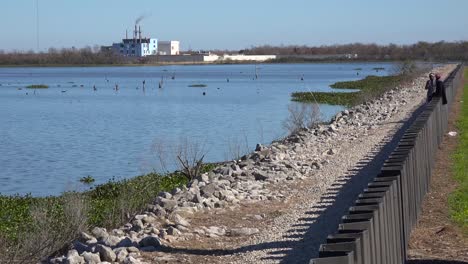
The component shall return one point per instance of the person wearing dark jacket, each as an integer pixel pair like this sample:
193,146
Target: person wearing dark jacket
430,86
440,89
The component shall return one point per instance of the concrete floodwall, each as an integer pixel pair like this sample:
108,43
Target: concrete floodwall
377,227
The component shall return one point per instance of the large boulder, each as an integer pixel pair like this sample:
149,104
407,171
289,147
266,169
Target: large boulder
121,254
126,242
74,260
260,175
150,241
106,253
179,220
137,225
167,204
91,258
100,233
111,241
208,190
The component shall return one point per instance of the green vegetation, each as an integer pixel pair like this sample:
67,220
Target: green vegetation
369,87
458,200
370,83
54,221
198,85
87,180
328,98
37,86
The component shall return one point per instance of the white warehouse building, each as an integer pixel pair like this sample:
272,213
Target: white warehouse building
171,47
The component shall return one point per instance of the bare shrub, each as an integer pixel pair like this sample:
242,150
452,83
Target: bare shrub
302,115
52,226
236,148
162,153
409,69
190,156
186,156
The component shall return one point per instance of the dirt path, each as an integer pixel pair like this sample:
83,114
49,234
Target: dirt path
436,237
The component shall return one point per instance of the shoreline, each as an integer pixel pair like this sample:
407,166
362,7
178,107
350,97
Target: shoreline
202,63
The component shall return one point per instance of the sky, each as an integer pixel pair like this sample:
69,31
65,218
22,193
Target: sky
222,24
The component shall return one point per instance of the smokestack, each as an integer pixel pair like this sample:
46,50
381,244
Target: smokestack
139,31
135,34
126,34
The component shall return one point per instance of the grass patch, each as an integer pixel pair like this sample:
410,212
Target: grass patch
37,86
198,85
458,201
369,88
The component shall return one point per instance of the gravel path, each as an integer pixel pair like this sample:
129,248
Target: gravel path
295,237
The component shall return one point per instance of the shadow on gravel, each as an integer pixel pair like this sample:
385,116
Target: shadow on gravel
426,261
304,238
326,215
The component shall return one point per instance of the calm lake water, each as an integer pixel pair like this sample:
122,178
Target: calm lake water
50,138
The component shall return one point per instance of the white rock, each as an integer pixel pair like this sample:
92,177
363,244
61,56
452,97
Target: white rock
100,233
243,231
179,220
219,231
91,258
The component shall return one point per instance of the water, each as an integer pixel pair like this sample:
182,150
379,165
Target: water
50,138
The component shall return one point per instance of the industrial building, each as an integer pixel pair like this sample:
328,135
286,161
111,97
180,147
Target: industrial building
169,47
138,46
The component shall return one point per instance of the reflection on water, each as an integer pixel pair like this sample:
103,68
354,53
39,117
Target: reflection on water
81,125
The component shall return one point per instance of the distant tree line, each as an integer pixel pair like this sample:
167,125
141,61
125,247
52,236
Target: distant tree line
65,56
420,51
438,51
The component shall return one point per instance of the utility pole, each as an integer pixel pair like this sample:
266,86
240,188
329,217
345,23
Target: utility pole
37,25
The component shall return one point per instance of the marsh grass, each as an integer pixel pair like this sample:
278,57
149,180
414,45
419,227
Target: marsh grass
37,86
198,85
369,88
332,98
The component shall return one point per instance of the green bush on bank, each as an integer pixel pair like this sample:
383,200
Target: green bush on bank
107,205
458,201
55,221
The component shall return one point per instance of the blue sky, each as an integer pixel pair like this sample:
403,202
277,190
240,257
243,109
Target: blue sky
222,24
